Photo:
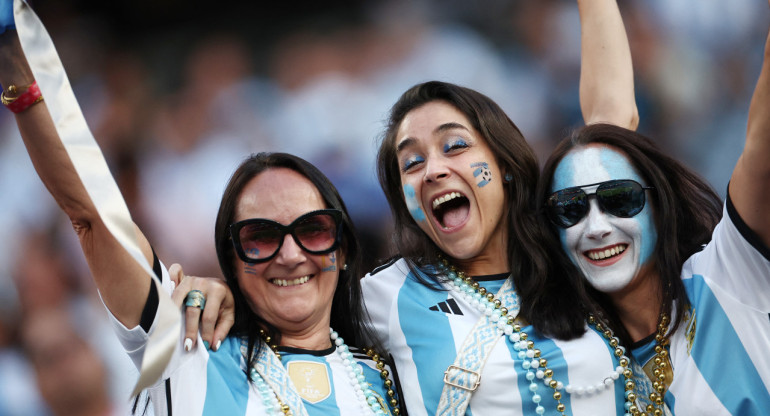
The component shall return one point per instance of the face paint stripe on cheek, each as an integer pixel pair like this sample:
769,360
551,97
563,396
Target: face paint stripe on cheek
412,204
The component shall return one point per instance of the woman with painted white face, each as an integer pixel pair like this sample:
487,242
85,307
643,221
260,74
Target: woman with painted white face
285,243
693,307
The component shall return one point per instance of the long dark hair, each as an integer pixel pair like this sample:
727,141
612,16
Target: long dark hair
549,299
686,210
348,316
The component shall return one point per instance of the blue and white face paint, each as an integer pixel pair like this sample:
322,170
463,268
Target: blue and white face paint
482,173
609,250
413,204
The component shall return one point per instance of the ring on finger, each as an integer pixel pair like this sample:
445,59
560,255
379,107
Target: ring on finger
196,299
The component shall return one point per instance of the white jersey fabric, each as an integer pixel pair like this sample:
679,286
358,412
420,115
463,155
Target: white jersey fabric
721,354
204,382
423,329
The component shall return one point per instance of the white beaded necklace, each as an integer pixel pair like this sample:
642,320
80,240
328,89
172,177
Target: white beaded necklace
366,397
535,367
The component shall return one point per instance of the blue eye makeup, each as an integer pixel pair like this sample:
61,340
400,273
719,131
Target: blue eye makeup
456,143
411,161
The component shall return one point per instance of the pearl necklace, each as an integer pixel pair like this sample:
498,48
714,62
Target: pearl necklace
532,363
366,396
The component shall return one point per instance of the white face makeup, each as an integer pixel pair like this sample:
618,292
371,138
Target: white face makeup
609,250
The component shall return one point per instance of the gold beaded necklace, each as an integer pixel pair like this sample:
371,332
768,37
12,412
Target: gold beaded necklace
393,401
662,371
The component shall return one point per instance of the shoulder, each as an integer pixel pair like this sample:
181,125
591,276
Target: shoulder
733,247
388,265
392,272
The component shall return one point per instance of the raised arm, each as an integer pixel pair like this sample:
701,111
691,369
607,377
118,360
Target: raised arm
123,284
750,183
606,71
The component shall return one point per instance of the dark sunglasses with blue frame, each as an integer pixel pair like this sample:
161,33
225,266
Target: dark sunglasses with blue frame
257,240
622,198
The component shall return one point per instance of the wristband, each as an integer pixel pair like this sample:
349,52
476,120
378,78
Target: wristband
28,98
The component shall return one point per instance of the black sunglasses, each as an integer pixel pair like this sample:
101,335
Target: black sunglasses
621,198
257,240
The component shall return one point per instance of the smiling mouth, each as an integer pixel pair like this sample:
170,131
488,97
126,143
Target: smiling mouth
607,253
451,209
290,282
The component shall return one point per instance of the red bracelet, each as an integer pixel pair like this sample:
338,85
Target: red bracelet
28,98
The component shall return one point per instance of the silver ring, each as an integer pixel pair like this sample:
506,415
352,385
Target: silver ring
196,299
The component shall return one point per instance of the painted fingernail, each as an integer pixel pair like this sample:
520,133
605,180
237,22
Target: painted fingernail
207,345
173,285
187,344
219,343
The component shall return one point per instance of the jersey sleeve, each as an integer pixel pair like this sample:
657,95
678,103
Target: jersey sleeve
134,340
735,260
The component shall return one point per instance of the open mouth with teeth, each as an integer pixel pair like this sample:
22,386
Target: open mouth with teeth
290,282
451,210
606,254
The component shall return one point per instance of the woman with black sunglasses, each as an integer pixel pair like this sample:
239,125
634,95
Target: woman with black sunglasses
692,306
284,240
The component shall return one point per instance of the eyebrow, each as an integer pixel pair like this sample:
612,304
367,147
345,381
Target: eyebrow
440,129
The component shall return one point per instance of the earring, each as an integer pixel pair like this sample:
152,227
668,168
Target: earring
508,177
345,266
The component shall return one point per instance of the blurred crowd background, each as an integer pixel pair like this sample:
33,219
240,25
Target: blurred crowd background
177,93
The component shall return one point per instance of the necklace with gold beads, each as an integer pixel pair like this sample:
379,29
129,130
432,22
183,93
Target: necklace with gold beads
535,366
660,370
662,373
355,372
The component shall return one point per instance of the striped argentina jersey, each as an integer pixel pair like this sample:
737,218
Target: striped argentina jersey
423,329
204,382
720,355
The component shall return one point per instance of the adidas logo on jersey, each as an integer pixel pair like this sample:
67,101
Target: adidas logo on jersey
450,307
